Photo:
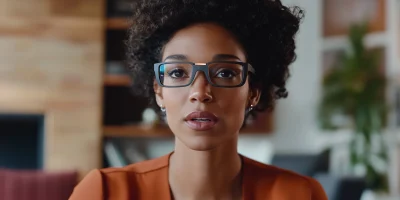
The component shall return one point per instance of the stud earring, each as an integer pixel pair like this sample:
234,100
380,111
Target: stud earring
249,109
162,108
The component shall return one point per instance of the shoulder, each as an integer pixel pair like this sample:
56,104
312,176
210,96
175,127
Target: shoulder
282,180
263,170
143,167
97,182
90,187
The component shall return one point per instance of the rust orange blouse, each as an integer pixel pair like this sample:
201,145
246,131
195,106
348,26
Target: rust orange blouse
149,180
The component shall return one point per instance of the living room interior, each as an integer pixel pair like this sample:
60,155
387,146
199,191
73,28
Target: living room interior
66,106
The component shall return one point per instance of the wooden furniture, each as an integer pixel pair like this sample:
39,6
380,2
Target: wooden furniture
117,23
52,64
339,14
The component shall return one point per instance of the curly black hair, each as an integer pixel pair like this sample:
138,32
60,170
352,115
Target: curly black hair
265,28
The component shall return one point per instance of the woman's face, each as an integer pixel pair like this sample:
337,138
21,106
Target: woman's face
201,116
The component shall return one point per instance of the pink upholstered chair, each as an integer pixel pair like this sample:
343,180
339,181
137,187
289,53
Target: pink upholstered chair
36,185
2,183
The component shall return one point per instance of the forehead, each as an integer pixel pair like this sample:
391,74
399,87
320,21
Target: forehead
201,42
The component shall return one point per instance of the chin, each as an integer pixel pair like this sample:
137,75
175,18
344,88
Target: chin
202,143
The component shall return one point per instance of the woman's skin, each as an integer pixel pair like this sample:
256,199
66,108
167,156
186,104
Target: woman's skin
205,163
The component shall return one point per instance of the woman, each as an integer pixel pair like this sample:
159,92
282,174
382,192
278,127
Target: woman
207,64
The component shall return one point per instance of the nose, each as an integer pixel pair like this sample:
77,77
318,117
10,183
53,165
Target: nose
200,89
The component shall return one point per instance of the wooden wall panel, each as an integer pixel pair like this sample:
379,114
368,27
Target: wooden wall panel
64,29
51,63
78,8
27,8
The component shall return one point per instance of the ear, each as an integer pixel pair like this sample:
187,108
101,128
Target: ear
254,96
158,92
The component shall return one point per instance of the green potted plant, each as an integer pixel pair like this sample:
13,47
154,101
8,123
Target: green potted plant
355,89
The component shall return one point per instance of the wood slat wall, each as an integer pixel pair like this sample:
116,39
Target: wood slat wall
51,63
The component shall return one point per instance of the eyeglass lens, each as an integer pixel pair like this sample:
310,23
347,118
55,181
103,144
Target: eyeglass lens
220,74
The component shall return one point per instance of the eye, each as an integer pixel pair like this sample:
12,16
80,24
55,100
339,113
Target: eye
226,73
177,73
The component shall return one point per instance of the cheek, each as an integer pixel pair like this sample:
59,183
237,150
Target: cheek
174,99
233,101
230,103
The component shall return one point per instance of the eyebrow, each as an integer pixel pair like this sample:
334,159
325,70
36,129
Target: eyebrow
176,57
182,57
225,57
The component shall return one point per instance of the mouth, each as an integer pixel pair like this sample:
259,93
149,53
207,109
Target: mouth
201,120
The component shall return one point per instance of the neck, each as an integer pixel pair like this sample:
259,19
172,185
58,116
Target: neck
212,174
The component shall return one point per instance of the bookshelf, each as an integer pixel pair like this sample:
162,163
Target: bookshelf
117,80
372,40
383,20
136,131
117,23
339,15
150,131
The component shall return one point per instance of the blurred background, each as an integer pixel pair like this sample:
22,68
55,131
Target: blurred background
66,106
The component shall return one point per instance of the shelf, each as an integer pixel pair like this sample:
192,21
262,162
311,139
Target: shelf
118,23
148,131
341,42
136,131
339,15
117,80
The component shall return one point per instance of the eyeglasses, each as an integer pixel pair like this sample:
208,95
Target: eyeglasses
226,74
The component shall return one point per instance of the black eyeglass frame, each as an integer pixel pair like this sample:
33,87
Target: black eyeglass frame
205,69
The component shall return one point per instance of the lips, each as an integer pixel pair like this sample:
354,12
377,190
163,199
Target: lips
201,120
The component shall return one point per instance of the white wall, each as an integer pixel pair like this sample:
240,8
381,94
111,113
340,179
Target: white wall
296,128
